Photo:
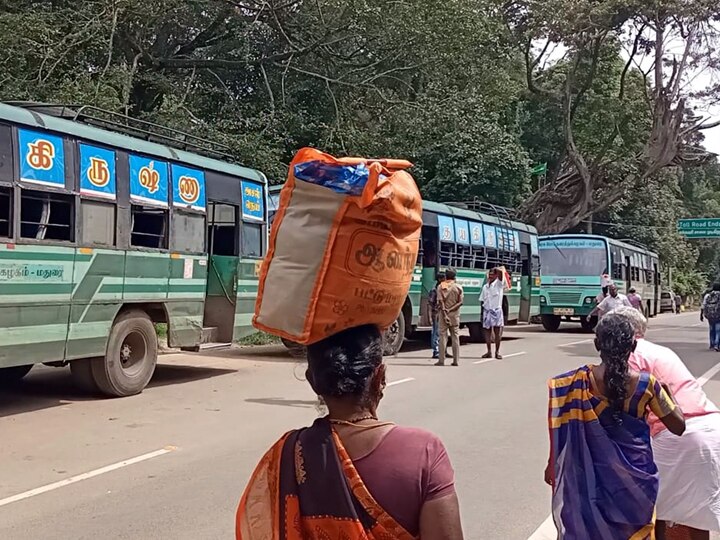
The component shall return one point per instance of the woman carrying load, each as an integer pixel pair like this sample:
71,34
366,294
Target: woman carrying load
601,466
351,476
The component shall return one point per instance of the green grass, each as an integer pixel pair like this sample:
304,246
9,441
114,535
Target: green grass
161,330
259,338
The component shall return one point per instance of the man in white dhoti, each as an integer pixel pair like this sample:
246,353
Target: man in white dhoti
689,466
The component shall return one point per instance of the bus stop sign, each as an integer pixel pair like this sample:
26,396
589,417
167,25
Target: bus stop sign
699,228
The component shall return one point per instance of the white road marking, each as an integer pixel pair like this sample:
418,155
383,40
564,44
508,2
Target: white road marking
401,381
575,343
709,374
547,530
511,355
84,476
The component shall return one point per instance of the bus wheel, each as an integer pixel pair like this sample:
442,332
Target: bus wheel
477,334
551,323
131,356
588,324
394,336
12,375
81,371
295,349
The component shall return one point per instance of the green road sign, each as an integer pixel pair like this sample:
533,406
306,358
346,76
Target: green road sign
699,228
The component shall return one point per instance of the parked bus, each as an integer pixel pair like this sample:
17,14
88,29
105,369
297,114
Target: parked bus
109,226
472,238
572,266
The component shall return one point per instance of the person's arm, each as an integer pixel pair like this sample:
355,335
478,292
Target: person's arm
626,301
459,301
665,408
440,513
600,307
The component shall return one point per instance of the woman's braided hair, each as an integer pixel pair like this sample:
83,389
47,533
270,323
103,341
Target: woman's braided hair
615,339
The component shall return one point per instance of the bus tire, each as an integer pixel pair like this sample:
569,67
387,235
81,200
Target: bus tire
588,323
394,336
295,349
477,332
131,356
82,374
10,376
551,323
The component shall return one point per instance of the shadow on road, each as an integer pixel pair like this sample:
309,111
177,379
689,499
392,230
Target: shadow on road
304,404
45,388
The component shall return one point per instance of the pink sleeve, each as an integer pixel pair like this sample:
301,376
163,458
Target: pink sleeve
440,476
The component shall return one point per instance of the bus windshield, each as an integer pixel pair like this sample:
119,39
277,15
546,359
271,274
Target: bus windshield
573,257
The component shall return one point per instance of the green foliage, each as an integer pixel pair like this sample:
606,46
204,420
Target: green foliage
443,83
259,338
689,283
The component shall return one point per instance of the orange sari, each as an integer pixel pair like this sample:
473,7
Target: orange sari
307,488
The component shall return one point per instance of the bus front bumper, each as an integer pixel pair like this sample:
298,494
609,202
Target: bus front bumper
566,311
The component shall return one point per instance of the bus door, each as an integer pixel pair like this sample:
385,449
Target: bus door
628,273
526,281
656,289
430,259
222,278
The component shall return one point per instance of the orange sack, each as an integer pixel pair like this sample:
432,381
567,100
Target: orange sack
339,260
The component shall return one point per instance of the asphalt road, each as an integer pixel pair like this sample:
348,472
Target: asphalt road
172,462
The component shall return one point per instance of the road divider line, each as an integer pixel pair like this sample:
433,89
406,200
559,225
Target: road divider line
85,476
709,374
511,355
575,343
547,531
401,381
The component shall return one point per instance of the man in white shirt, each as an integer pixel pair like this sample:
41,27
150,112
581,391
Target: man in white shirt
613,300
492,300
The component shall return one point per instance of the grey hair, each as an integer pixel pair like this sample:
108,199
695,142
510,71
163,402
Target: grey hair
635,317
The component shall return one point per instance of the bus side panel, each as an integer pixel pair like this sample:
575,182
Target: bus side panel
186,300
471,281
96,299
146,276
513,297
35,289
247,290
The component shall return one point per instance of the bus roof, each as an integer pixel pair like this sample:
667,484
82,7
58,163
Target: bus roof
461,213
620,243
35,120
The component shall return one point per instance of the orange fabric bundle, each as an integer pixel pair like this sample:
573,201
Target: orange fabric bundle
335,260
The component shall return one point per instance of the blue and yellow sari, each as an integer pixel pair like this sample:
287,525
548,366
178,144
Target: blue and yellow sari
605,481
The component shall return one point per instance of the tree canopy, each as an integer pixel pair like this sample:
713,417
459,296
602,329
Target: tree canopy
475,93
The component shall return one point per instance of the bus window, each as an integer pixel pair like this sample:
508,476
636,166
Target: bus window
222,229
479,258
429,248
149,227
252,240
47,216
447,254
188,232
97,223
6,205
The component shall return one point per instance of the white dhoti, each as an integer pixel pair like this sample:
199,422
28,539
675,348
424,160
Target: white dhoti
689,468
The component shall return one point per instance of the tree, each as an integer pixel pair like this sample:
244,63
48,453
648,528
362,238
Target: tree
666,43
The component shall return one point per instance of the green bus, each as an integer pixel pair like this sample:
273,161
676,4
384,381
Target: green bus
572,266
109,226
472,238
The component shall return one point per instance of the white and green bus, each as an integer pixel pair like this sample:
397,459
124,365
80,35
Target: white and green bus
110,226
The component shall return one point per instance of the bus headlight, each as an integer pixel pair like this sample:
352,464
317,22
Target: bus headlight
543,300
589,299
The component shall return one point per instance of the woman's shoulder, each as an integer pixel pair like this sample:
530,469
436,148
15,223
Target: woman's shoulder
413,437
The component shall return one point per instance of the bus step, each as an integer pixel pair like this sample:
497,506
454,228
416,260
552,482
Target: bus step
214,345
209,335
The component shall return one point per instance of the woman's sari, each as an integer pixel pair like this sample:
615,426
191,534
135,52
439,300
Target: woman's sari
605,481
307,488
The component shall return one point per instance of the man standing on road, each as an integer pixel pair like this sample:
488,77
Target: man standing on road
710,310
689,465
450,299
433,303
613,300
492,300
